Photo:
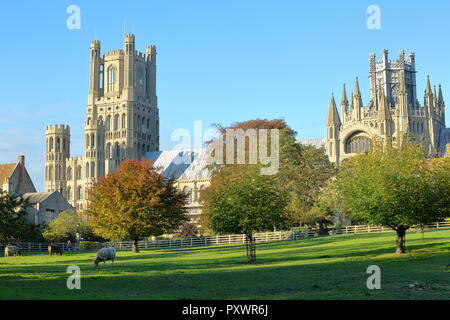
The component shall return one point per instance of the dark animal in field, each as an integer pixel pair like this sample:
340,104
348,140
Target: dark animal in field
13,250
104,255
54,250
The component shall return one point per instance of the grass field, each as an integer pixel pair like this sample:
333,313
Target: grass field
323,268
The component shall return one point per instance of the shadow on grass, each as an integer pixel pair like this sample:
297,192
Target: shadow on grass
336,280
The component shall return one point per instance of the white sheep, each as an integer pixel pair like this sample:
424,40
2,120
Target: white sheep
104,255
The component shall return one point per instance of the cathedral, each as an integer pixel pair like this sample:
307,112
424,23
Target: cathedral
122,121
393,111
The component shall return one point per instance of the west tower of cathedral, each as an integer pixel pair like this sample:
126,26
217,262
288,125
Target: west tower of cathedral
122,121
393,110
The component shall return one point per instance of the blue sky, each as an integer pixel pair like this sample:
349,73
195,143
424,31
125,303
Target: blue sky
218,61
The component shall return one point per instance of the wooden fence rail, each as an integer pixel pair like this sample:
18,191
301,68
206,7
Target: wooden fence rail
214,240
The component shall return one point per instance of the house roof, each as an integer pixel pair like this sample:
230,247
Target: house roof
182,164
36,197
6,170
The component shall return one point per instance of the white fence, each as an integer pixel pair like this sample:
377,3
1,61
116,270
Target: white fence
218,240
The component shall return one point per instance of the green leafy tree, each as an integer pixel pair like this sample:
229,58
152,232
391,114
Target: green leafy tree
304,171
395,187
66,226
136,202
241,200
14,225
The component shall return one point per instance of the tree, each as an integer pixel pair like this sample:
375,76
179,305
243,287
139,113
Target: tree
241,200
187,230
14,225
319,217
304,171
136,201
395,187
66,226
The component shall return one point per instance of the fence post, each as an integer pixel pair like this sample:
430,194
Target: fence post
40,247
280,236
217,239
29,246
206,241
267,237
191,241
368,228
437,225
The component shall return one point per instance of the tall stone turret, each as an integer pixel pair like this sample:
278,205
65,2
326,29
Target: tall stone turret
57,151
333,128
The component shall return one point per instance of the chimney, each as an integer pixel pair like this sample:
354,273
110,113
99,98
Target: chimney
21,174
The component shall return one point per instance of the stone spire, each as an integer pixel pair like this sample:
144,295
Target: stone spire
428,87
357,100
383,109
344,103
333,114
440,97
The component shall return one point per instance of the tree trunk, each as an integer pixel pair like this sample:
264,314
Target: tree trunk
135,246
251,248
401,234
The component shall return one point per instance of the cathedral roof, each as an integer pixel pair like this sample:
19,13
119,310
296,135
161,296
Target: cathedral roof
182,164
6,171
316,142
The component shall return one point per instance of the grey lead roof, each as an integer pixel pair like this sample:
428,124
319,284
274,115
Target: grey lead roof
36,197
183,164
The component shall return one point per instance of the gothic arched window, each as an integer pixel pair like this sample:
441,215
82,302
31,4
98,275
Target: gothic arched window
112,73
108,123
124,118
187,191
358,142
50,144
79,172
116,122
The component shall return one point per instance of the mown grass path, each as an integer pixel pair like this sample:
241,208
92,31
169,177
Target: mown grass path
323,268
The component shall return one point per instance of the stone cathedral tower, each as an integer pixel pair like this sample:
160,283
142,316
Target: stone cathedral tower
393,111
122,121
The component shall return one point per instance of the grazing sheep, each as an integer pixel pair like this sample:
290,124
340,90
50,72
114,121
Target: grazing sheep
54,249
104,255
14,250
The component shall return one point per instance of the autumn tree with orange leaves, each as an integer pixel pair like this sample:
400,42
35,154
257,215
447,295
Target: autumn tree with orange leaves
135,202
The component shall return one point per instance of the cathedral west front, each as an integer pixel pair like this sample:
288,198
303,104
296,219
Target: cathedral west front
122,121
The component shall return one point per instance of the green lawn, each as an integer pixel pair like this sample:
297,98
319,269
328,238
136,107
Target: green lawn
323,268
